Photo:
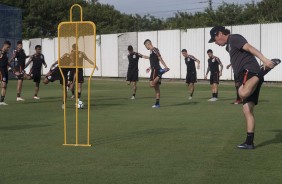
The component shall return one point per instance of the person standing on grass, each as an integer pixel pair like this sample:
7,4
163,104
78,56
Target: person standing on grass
19,57
249,73
132,72
213,67
37,60
156,70
191,76
238,99
4,63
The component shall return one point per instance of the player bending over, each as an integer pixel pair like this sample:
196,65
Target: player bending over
191,76
246,68
156,70
37,60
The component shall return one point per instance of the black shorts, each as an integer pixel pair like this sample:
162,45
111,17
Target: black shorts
132,75
54,75
35,75
73,75
214,78
154,74
20,69
4,76
243,77
191,77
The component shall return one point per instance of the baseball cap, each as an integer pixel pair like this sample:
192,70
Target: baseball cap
214,31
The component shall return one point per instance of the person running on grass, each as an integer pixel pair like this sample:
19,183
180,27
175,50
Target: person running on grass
4,63
191,76
237,83
213,67
249,73
37,60
132,71
156,70
19,57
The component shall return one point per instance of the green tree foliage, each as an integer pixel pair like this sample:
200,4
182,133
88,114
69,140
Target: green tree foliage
41,17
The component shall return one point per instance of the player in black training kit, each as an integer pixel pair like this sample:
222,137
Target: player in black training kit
4,62
237,85
37,60
81,57
247,70
156,70
191,76
213,64
132,72
19,58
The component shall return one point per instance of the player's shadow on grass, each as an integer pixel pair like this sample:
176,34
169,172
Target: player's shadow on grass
181,104
276,140
21,127
138,135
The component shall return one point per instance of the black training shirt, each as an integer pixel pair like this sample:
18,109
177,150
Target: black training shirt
133,60
3,59
20,58
190,63
37,61
214,62
154,58
240,59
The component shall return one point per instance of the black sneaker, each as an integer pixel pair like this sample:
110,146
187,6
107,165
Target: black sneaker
246,146
276,61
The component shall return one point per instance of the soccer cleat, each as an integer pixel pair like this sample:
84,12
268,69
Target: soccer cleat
276,61
20,99
36,98
213,99
72,96
133,98
162,71
264,71
237,102
3,103
63,106
156,106
190,98
246,146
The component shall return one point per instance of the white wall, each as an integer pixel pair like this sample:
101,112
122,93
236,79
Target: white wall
265,37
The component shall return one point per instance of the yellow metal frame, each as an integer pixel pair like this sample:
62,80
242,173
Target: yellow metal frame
77,23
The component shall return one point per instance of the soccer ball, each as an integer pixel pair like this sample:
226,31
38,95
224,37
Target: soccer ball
80,105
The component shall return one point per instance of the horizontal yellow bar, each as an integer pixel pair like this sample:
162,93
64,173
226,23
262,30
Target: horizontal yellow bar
82,145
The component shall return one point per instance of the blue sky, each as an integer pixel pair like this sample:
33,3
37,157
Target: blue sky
165,8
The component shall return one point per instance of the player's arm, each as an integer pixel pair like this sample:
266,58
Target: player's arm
197,61
208,70
44,63
221,66
163,63
266,62
145,57
29,61
87,59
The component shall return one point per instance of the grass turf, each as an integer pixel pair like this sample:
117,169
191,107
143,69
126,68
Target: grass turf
182,142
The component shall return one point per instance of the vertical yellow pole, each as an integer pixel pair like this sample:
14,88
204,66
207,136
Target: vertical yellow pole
76,85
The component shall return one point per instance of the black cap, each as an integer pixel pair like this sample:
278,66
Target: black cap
214,31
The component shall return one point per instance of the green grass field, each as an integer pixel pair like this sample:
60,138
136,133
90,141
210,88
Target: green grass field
183,142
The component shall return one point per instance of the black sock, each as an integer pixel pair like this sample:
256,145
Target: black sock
216,95
237,93
35,94
18,95
213,95
72,92
250,138
133,94
191,94
157,101
2,98
79,95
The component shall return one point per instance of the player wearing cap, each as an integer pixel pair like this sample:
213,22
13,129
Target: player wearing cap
213,67
246,68
132,71
191,76
156,70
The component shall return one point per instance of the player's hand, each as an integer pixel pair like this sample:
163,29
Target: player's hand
148,70
227,67
166,69
45,66
198,67
206,77
96,68
268,64
220,74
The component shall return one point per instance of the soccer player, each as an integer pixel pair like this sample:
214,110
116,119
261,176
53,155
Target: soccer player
213,67
247,70
191,76
19,57
37,60
4,62
132,72
156,70
238,99
81,57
